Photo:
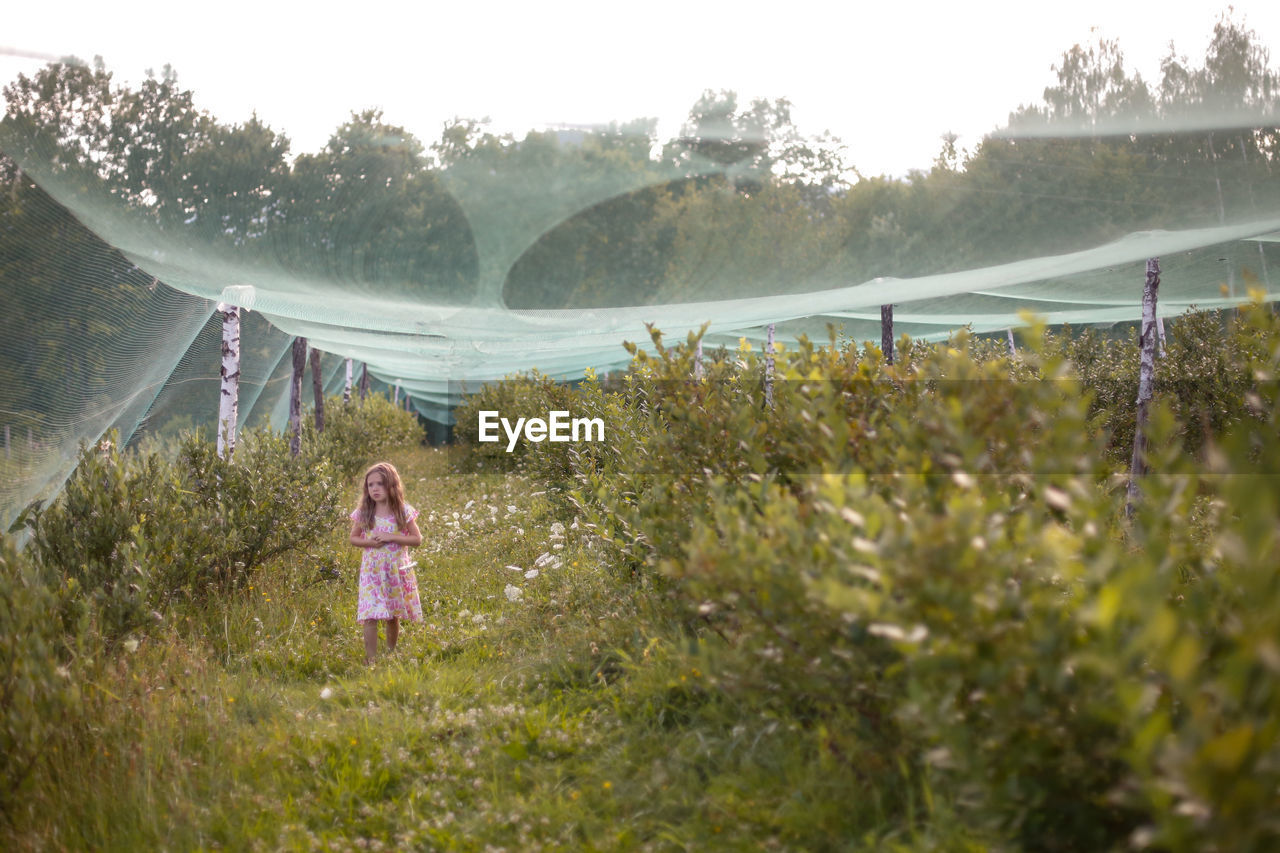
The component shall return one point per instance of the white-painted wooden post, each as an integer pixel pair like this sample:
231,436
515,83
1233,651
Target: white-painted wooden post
886,332
1013,348
346,389
1160,329
229,401
697,362
768,367
295,395
1146,379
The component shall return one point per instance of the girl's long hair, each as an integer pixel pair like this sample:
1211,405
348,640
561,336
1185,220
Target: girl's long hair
395,495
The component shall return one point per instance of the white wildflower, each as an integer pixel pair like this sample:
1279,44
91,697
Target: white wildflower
895,632
531,574
513,593
326,693
1057,499
515,568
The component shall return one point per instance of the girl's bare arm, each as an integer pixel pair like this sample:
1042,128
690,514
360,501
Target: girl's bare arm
359,540
411,535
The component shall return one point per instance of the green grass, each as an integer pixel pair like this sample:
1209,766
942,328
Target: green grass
580,716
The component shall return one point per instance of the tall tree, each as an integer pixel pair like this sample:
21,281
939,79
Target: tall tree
369,212
154,130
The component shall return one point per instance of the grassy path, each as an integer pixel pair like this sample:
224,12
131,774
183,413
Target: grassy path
538,708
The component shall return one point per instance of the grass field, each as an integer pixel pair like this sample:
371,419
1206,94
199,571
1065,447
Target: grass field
541,704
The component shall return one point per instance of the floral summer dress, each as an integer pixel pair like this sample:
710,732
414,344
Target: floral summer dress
388,586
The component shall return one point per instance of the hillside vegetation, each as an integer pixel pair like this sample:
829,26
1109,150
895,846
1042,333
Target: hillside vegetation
900,607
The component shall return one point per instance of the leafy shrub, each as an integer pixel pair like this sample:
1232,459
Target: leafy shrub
1192,621
235,515
134,531
38,694
1203,376
940,602
930,564
90,538
358,433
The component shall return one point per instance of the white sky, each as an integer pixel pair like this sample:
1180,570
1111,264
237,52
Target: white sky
888,78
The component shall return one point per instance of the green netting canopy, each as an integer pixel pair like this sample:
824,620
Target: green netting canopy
129,215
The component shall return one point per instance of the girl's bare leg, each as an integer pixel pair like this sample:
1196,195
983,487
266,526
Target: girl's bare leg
393,634
370,640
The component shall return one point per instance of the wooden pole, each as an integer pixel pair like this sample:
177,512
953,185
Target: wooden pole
317,388
1013,348
697,361
1160,329
229,402
295,395
364,381
886,332
1146,377
395,395
768,367
346,389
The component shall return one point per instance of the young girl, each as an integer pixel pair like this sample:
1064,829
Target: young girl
383,524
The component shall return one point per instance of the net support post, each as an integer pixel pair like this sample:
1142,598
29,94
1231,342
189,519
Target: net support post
317,389
1146,381
1013,348
768,367
346,389
295,395
229,397
886,332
